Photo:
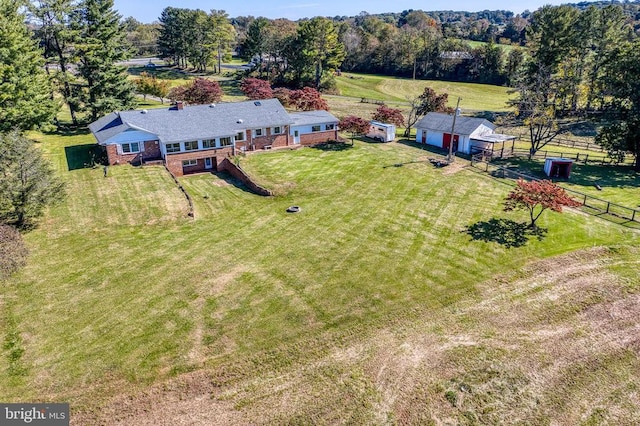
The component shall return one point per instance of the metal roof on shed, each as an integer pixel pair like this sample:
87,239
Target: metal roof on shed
440,122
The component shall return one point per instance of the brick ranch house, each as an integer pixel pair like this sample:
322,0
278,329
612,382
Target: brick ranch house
196,138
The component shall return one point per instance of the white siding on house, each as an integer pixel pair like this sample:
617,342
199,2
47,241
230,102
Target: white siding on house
131,136
303,130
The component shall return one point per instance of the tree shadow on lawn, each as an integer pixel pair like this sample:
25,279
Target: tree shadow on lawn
332,146
230,180
614,176
84,156
505,232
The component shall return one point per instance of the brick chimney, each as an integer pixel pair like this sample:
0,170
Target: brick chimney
179,105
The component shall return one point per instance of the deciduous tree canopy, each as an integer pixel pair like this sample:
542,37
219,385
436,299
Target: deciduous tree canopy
355,125
388,115
199,91
255,88
536,197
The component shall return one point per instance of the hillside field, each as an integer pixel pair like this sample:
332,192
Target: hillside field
401,294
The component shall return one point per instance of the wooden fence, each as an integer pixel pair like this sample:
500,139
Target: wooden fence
571,143
597,206
578,157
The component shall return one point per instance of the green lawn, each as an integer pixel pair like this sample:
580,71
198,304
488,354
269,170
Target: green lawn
475,97
313,310
619,184
505,47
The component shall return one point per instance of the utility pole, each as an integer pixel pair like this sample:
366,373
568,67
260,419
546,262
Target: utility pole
453,126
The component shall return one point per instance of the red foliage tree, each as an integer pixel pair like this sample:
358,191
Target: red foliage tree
388,115
283,95
255,88
199,91
308,99
536,197
355,125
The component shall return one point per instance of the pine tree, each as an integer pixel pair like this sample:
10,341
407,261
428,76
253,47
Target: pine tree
52,18
25,94
320,49
101,45
28,183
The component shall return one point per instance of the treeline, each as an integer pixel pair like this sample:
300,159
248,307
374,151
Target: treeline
187,36
81,42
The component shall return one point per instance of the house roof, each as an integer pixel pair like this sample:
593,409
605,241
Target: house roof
307,118
439,122
493,138
194,122
107,127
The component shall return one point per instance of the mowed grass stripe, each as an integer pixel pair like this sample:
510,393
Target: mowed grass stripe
121,302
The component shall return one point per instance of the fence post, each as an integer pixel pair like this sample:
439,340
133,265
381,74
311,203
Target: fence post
586,159
584,201
577,157
561,155
608,205
633,216
486,168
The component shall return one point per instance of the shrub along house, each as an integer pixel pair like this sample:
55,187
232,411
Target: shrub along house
190,139
470,134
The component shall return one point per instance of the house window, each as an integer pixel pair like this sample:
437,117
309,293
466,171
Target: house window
173,147
188,163
315,128
208,143
277,130
240,136
225,141
331,126
191,145
258,132
130,148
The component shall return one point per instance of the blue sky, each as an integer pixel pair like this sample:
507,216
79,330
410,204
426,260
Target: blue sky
149,10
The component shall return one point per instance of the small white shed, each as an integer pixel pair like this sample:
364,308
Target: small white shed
382,132
558,167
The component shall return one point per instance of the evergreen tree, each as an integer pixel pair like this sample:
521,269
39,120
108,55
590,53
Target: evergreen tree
25,89
102,43
28,184
219,35
58,39
319,48
255,43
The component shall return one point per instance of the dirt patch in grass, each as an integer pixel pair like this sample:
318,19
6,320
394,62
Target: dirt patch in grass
557,341
183,401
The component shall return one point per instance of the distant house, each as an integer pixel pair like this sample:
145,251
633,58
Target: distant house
470,134
190,139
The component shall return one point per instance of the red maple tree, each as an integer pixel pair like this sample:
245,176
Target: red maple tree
199,91
307,99
536,197
283,95
355,125
388,115
255,88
